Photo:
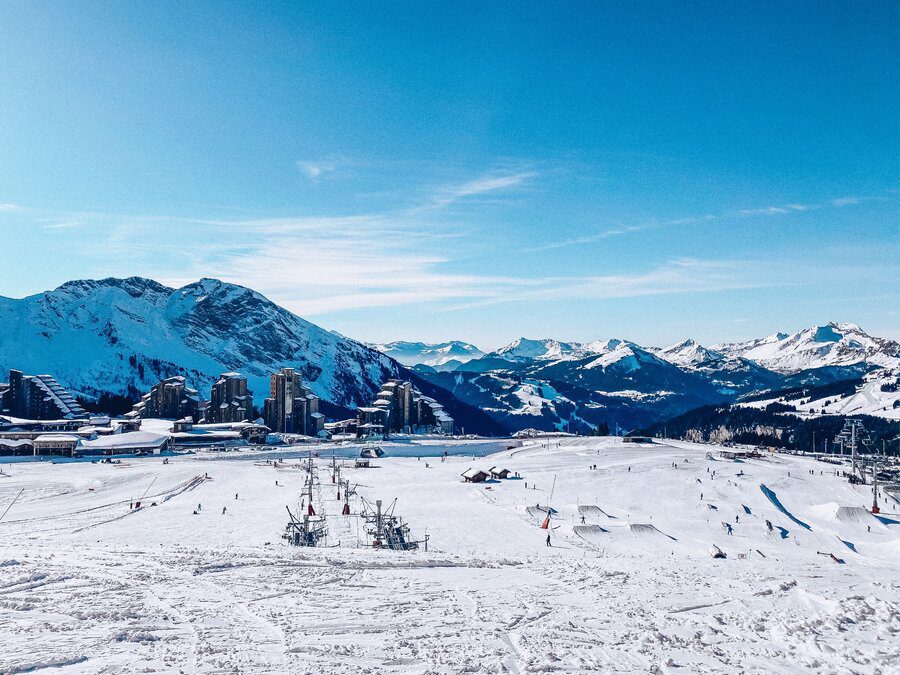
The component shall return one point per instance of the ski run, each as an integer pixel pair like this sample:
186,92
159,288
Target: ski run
197,578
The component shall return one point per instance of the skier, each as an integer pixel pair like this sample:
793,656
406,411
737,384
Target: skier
548,539
582,520
224,508
199,507
235,495
737,518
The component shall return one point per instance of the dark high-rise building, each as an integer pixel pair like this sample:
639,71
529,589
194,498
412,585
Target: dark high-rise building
170,399
291,407
400,408
40,397
230,400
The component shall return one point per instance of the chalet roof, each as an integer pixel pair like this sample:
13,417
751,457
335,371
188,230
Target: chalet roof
471,473
66,438
133,439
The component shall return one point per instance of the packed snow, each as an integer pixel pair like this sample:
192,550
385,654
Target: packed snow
629,584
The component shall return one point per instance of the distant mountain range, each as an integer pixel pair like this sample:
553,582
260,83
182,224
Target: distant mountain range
554,384
439,356
121,336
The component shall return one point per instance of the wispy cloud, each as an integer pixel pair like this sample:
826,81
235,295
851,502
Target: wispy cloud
10,207
65,225
777,210
846,201
682,275
772,210
315,169
490,182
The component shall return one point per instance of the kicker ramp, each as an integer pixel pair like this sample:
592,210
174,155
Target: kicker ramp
648,530
592,534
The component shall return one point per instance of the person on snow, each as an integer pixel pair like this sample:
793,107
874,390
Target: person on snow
224,508
235,495
199,507
582,520
548,539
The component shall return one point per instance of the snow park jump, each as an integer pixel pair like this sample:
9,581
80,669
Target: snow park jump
772,497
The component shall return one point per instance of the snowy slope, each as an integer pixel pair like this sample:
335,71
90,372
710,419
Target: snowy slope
834,344
440,356
124,335
878,395
90,585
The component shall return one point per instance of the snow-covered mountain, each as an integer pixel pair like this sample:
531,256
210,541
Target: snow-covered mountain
831,345
731,374
550,383
524,349
576,386
123,335
688,353
439,356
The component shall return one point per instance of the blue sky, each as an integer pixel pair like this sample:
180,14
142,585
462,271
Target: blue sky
480,171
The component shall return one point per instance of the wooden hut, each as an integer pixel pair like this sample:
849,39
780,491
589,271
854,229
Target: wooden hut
474,476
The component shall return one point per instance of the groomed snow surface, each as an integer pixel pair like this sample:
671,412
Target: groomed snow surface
89,585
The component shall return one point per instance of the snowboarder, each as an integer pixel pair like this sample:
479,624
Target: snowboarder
235,495
199,507
548,539
737,518
582,520
224,508
769,525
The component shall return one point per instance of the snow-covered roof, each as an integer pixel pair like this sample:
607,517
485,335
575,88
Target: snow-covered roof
63,438
10,443
133,439
471,473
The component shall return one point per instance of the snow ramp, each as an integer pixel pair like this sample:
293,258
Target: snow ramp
540,512
593,510
772,497
855,514
592,534
648,530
